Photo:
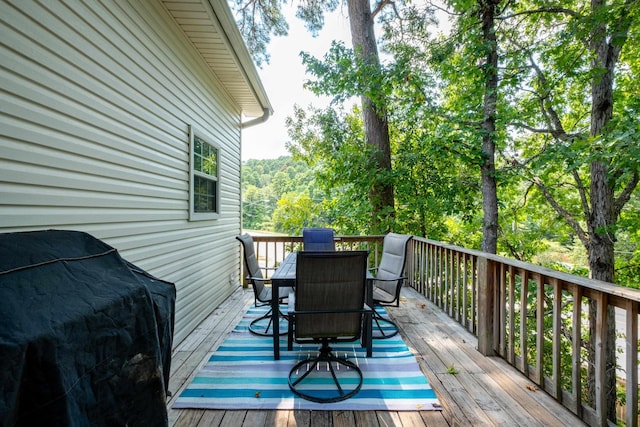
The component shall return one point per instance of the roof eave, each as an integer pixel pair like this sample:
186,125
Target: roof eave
230,28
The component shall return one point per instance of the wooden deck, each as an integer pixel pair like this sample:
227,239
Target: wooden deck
484,391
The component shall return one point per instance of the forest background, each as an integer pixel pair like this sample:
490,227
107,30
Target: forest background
537,66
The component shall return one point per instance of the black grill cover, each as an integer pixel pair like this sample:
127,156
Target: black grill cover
85,336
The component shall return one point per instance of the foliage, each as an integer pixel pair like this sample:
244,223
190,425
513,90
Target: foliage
432,84
330,141
259,20
452,370
628,244
264,183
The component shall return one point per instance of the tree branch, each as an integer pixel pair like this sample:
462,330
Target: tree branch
582,192
556,128
548,9
562,212
620,31
625,195
382,4
562,137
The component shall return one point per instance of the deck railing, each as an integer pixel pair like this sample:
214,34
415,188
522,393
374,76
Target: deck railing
555,328
533,317
272,250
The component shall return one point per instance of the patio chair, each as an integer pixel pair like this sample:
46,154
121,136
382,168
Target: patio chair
328,306
388,280
261,292
318,239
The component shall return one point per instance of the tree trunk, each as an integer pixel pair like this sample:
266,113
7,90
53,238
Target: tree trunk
489,187
603,217
374,116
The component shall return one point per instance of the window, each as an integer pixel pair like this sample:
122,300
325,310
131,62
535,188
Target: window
205,161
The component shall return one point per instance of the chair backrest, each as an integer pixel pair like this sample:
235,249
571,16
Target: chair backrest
318,239
330,281
394,255
250,259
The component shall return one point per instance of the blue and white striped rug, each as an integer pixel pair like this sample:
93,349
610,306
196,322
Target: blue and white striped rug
241,374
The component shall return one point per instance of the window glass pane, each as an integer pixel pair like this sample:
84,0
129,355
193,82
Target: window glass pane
210,164
197,162
204,194
197,149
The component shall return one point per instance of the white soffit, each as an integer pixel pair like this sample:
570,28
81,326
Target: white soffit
211,27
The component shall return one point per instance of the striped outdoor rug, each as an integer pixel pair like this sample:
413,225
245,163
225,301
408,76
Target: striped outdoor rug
242,374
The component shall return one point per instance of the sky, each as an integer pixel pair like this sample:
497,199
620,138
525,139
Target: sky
283,78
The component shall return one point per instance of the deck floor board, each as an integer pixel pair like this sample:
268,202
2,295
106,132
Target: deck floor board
485,391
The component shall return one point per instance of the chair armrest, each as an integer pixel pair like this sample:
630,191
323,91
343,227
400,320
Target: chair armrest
365,309
261,279
393,279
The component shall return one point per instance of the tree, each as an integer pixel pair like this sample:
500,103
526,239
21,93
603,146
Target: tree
550,57
332,143
597,152
488,168
265,182
512,79
259,19
465,66
374,109
582,144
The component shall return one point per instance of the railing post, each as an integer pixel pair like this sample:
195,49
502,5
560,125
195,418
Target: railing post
486,306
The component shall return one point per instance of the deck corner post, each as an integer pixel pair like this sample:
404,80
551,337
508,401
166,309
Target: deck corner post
486,305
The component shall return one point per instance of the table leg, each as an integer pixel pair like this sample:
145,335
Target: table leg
368,319
275,319
368,333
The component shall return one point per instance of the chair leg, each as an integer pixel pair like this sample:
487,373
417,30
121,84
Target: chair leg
257,329
290,336
314,367
381,333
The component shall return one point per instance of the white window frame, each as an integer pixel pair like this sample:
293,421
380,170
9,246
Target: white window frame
202,216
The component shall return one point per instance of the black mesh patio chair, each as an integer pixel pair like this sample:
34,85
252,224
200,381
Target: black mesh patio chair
389,278
261,289
328,306
318,239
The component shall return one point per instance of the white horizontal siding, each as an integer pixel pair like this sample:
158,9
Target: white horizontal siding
97,99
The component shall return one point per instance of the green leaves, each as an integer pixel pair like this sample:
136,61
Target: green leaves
431,85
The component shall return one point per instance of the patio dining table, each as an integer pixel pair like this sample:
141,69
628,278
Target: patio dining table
285,276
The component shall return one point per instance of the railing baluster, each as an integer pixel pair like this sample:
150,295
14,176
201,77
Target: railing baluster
524,331
474,294
502,291
576,362
430,271
631,344
557,335
512,318
447,280
465,290
600,362
440,276
539,330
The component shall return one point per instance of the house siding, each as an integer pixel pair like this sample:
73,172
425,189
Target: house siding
97,99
